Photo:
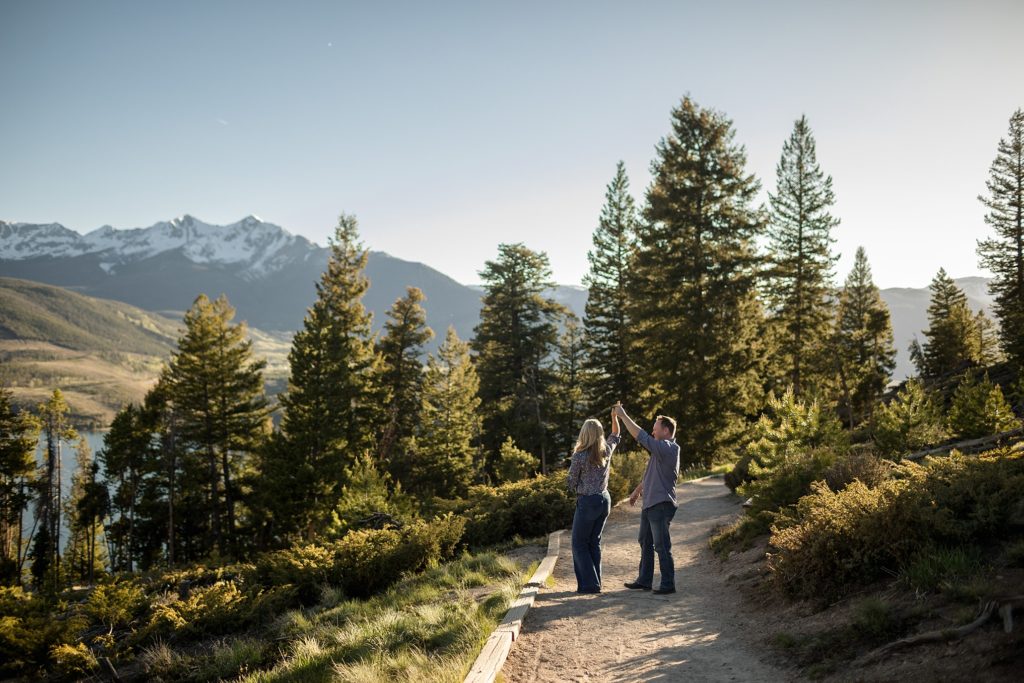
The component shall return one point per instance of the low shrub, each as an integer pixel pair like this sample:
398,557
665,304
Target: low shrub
834,541
115,605
528,508
305,567
29,631
369,560
788,481
72,660
204,611
626,472
863,466
362,562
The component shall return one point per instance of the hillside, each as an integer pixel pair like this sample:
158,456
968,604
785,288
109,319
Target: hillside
32,310
100,353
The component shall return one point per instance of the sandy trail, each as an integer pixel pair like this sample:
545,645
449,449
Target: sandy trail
698,634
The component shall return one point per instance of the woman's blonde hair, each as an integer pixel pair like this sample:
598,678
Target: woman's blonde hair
591,441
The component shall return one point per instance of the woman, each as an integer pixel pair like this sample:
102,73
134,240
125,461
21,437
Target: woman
588,479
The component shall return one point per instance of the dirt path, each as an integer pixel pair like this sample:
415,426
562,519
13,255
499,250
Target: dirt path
698,634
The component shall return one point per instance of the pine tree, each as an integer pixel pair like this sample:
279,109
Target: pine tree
693,294
367,492
1004,253
951,340
979,409
514,464
172,486
442,456
45,551
571,386
129,463
909,422
216,387
863,352
84,510
401,378
19,434
986,340
332,404
800,278
513,343
608,344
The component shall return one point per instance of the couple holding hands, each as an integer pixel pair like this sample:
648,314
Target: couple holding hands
588,479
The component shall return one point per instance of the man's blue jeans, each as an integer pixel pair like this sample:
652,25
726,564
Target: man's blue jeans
587,525
654,537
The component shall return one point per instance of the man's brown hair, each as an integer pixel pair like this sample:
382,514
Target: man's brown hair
667,421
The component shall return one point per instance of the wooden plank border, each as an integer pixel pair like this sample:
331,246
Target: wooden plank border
495,650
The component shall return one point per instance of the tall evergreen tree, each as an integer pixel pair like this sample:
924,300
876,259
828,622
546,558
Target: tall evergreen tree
216,386
987,340
607,337
84,510
693,294
57,429
442,457
122,458
401,377
514,341
951,340
19,434
863,352
800,278
138,483
1004,253
332,403
571,388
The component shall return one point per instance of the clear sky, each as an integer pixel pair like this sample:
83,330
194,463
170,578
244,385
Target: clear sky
448,128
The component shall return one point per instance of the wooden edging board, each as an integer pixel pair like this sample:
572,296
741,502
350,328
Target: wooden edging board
495,650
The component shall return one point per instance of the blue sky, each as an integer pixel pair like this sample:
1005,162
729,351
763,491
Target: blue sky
448,128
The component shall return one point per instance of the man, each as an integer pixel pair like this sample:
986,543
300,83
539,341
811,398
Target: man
658,489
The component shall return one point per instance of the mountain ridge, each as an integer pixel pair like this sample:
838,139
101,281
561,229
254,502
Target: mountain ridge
270,279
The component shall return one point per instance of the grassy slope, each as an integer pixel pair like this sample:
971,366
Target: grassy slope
100,353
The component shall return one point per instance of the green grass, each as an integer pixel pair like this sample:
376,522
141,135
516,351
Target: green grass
428,627
940,568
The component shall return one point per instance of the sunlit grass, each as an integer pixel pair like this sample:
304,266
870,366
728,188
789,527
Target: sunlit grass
425,628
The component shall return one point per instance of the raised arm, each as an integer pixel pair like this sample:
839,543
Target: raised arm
632,427
615,422
619,413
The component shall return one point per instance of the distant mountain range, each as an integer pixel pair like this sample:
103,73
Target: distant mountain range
269,274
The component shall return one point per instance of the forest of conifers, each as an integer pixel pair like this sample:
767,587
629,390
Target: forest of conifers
703,305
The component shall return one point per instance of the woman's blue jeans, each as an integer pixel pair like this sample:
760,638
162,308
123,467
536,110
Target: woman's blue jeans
587,525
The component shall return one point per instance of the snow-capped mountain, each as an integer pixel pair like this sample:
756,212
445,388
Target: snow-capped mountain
267,273
253,248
